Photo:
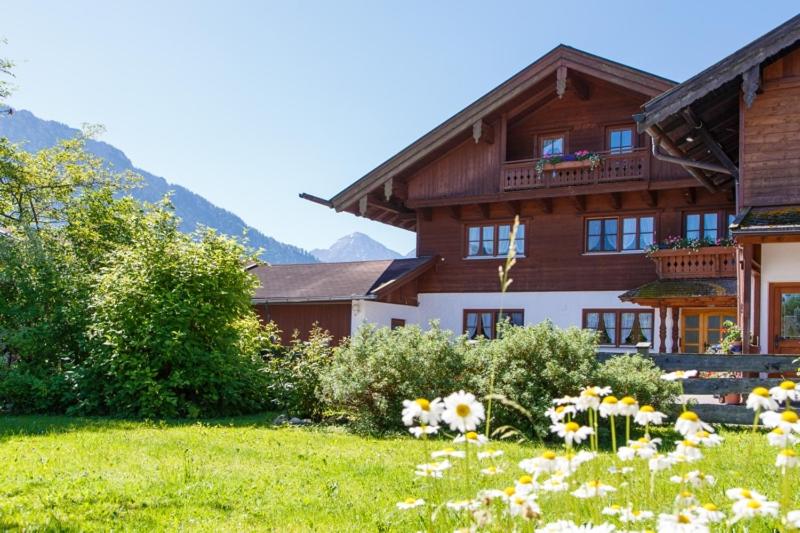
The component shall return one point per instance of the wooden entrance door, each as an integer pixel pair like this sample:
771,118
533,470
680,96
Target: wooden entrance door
784,318
702,328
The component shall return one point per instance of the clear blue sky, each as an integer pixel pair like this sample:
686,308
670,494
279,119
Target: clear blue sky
250,103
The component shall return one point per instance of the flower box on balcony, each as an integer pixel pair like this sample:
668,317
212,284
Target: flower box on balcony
704,262
567,164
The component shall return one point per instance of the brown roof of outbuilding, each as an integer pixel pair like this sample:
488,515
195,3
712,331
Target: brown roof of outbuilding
325,282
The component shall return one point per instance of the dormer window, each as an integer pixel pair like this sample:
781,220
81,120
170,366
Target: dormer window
552,145
620,140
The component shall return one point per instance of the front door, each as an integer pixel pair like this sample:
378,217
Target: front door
702,328
784,318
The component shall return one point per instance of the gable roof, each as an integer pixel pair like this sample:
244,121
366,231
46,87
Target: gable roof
461,123
330,282
717,75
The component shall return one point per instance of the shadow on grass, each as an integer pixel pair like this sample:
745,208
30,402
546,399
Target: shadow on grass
32,425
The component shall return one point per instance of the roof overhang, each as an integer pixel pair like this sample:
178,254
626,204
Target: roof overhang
767,224
460,126
705,292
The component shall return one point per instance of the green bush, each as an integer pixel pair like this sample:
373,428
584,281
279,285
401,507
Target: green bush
637,376
25,391
172,329
372,373
294,373
532,365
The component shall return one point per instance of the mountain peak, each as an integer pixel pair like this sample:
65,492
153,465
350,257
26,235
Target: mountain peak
356,246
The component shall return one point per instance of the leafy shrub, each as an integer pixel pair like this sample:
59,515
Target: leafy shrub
24,391
373,372
637,376
172,328
294,373
532,365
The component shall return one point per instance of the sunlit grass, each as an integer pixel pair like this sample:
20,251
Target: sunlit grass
245,475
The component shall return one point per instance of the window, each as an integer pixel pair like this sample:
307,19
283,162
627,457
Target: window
552,145
397,323
620,140
617,327
708,226
702,329
603,234
483,322
494,240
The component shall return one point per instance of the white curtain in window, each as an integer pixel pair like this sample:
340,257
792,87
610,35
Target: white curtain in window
610,320
646,324
626,324
486,322
472,325
592,320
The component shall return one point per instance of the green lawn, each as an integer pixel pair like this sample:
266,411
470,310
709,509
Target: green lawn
242,475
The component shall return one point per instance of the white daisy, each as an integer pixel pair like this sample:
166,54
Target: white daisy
660,462
426,412
678,375
785,392
491,470
571,432
695,478
461,505
744,494
787,420
760,400
609,406
787,458
685,499
527,508
648,415
449,452
556,483
747,509
612,510
490,454
781,439
681,522
593,489
628,406
705,438
472,438
566,400
463,412
559,412
524,485
793,519
688,449
589,397
410,503
548,462
435,470
628,515
419,431
689,423
709,513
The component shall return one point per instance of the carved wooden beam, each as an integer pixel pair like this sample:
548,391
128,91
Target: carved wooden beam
387,189
482,131
676,318
485,210
650,197
658,136
362,205
751,82
662,330
690,195
579,200
701,131
616,200
561,81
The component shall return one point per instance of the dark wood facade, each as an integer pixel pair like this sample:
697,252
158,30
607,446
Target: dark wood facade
334,317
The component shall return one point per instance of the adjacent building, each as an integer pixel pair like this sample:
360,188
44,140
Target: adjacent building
612,172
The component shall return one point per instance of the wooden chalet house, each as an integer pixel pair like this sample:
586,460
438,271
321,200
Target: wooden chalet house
602,162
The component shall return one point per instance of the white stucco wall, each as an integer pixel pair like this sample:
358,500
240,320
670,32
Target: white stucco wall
780,262
564,308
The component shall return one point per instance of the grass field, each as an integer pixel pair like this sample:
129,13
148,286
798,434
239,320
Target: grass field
244,475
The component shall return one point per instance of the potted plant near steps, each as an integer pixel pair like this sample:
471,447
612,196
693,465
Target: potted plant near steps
731,344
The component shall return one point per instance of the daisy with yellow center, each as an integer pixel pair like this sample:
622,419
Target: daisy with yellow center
593,489
787,458
490,454
571,432
647,416
787,420
491,471
781,438
709,513
679,375
548,462
681,522
472,437
448,452
786,392
463,412
748,509
689,423
410,503
425,412
705,438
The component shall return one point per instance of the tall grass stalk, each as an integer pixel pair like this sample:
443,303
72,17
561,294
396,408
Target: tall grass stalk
505,281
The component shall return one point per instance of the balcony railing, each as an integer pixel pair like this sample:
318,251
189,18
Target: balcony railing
520,175
708,262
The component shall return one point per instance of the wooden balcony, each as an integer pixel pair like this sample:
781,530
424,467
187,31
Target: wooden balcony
631,166
708,262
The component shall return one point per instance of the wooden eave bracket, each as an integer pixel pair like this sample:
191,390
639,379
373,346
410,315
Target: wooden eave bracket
482,131
751,83
710,142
